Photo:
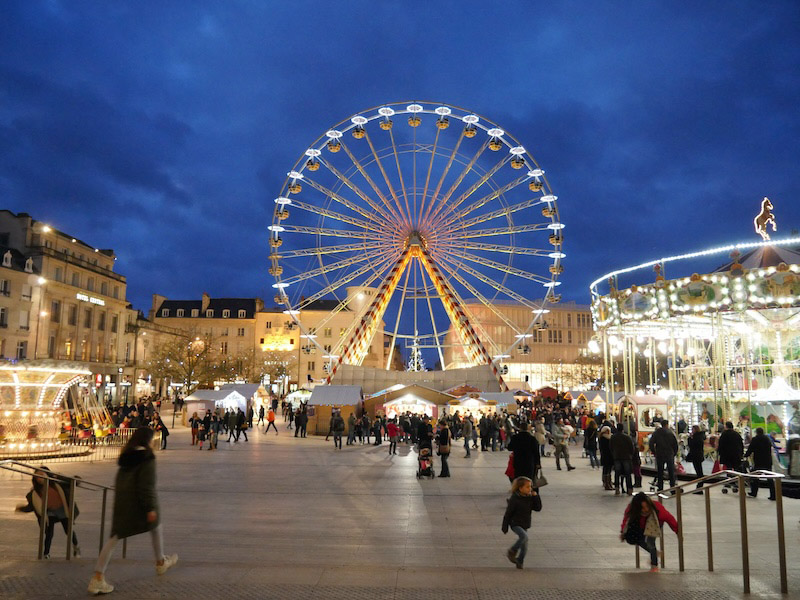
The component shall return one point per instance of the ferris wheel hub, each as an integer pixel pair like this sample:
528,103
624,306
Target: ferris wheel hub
416,239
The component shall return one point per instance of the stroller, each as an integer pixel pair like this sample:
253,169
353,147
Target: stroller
425,463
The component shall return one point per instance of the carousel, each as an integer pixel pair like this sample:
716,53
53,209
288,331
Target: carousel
718,340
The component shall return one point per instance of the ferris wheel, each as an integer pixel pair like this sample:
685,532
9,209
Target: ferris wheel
439,215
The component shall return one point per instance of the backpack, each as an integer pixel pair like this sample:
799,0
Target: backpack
634,534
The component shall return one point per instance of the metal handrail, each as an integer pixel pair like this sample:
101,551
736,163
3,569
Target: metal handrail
724,478
74,483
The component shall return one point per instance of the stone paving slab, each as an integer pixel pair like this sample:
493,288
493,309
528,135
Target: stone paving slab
280,517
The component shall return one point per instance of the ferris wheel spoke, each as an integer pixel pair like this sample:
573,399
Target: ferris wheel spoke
435,195
511,229
501,267
368,178
406,217
435,217
400,173
345,279
500,212
372,216
421,210
489,281
445,220
397,321
494,194
334,266
436,339
357,190
498,248
362,247
472,290
332,214
323,231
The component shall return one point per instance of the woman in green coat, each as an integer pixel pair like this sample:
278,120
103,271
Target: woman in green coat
135,507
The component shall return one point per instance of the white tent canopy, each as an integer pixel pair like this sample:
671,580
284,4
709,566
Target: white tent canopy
202,400
335,395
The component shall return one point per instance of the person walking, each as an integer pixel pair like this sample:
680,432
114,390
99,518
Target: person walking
241,425
330,425
194,422
540,433
260,415
485,430
271,421
524,500
760,449
642,523
606,456
213,432
696,454
466,430
136,507
57,510
622,449
394,433
250,415
351,429
590,443
664,446
231,421
443,439
526,457
560,440
337,426
158,425
730,448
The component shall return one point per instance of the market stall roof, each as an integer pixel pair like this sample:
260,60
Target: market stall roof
419,391
461,389
499,397
520,392
765,256
215,395
330,395
248,390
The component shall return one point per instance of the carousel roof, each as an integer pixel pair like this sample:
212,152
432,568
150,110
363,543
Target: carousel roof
778,391
765,256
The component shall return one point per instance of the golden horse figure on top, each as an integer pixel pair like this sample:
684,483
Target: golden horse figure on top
764,218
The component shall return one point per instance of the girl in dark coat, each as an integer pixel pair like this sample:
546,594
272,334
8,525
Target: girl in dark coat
443,439
523,500
696,453
606,457
135,507
590,443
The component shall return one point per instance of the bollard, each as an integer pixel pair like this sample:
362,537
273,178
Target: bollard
745,547
43,519
103,519
707,494
70,517
781,537
680,527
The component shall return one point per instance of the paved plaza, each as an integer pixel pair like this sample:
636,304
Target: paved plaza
280,517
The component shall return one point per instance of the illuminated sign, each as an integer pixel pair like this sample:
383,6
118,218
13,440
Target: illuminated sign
90,299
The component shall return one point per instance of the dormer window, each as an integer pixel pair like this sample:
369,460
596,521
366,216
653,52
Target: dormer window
7,259
180,312
195,312
164,312
210,313
242,314
226,314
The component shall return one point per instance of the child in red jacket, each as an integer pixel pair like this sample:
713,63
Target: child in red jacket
394,432
642,524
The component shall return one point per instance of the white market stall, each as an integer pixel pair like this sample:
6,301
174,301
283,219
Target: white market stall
202,400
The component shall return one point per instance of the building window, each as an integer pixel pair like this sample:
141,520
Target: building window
179,312
51,347
226,314
55,312
5,287
327,348
195,312
569,336
7,259
127,352
90,284
3,316
72,315
240,332
342,331
210,313
22,350
116,291
224,331
223,347
268,325
87,318
68,349
27,291
114,323
569,319
242,314
24,320
101,321
76,279
291,341
164,312
104,288
327,332
311,365
59,274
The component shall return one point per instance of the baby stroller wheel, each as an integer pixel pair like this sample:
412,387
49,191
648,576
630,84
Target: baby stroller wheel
724,490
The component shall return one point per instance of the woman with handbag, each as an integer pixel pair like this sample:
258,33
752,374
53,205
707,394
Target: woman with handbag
524,499
696,455
642,523
443,439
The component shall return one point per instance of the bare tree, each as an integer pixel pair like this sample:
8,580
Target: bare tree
192,359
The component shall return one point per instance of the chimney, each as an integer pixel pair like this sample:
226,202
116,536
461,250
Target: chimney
158,300
206,301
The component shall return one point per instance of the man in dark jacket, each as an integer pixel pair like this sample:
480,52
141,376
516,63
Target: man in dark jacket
664,446
760,449
526,452
241,425
337,427
622,449
731,448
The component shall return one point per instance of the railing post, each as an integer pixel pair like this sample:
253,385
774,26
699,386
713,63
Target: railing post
663,561
707,495
680,527
103,519
637,557
43,520
70,517
778,491
124,547
745,546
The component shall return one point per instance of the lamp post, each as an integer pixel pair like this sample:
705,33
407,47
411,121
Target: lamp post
40,313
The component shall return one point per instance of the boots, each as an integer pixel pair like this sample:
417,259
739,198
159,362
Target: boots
637,483
607,482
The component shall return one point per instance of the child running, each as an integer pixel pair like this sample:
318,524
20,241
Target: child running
642,524
523,500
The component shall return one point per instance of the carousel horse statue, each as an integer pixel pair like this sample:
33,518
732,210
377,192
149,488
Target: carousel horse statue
764,218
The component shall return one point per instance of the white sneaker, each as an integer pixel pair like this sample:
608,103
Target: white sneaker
76,551
100,586
169,561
